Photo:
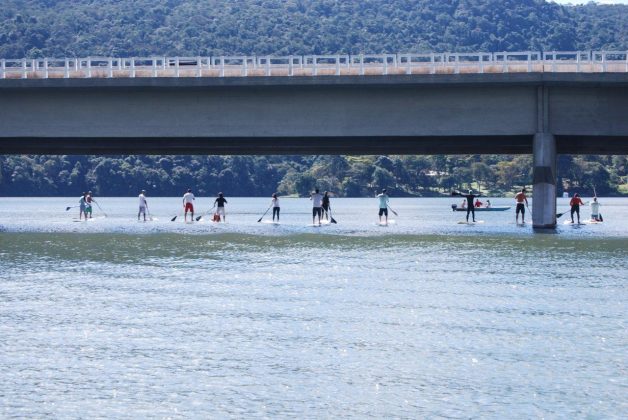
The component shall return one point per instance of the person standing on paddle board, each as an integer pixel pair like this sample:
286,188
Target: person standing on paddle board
383,205
325,205
188,199
220,206
470,204
575,204
317,206
88,204
595,210
275,205
143,205
83,206
520,199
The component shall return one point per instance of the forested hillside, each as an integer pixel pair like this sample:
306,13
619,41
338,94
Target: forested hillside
66,28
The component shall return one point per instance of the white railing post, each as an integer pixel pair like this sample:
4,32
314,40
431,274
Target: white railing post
222,66
626,61
3,66
132,66
290,66
153,64
199,69
176,66
268,71
361,64
529,62
110,67
337,65
604,61
245,69
314,64
385,65
24,74
433,64
45,68
89,67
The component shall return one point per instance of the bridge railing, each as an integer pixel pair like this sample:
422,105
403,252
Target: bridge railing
317,65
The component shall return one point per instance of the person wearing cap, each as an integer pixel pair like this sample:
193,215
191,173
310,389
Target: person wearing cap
188,199
520,199
575,204
220,206
143,205
88,204
383,205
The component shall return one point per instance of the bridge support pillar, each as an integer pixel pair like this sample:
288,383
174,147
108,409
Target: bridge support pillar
544,193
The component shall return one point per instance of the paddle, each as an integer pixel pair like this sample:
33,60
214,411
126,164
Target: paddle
206,213
71,207
331,217
150,216
175,217
260,219
103,212
394,212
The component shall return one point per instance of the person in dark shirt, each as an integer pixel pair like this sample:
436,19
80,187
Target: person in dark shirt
470,202
325,205
220,206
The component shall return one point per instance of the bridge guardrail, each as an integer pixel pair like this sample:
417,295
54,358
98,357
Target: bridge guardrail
317,65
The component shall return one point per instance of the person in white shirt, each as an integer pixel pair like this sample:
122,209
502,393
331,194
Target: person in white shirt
188,205
595,210
317,205
275,204
143,205
383,205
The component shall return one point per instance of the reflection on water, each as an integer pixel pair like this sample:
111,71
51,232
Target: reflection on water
357,322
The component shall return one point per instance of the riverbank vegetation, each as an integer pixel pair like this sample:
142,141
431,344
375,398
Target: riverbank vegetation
350,176
71,28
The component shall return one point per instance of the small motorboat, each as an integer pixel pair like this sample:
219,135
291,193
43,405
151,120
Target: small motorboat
454,207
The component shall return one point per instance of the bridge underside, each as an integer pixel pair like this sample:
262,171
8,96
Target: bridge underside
381,145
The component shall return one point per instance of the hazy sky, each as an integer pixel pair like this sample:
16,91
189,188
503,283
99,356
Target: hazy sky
597,1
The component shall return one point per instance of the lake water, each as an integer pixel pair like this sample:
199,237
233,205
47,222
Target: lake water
423,318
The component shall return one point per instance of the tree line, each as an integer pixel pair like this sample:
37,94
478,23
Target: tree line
69,28
348,176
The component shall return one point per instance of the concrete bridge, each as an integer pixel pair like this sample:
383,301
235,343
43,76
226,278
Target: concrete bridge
543,113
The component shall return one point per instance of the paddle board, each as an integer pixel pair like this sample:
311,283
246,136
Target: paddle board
464,222
569,222
592,222
269,222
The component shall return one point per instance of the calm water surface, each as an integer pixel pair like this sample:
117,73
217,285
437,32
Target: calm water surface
423,318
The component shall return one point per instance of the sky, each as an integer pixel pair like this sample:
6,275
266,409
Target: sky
586,1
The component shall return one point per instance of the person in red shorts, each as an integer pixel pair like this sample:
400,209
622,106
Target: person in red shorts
188,199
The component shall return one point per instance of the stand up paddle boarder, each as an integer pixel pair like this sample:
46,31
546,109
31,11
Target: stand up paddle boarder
575,204
595,211
325,205
470,204
220,206
520,199
383,206
274,202
83,206
188,199
143,205
317,206
88,204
